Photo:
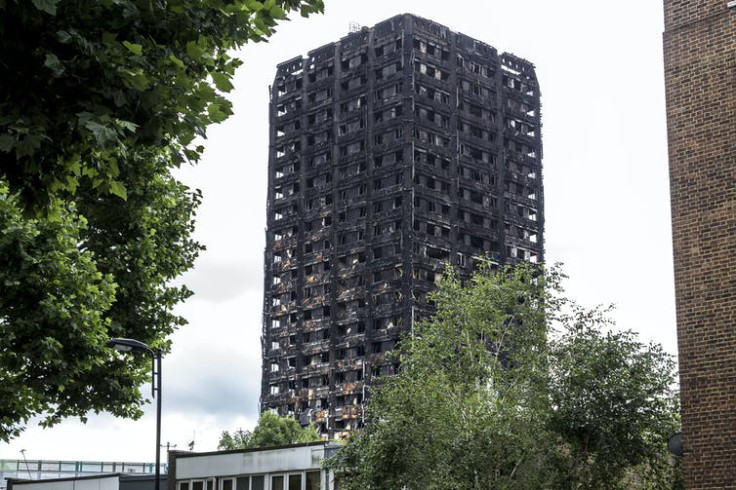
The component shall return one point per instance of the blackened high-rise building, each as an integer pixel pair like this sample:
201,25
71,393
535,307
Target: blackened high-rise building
393,151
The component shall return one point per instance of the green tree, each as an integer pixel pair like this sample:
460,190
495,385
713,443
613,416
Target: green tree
100,100
239,439
463,410
612,406
484,398
271,430
86,83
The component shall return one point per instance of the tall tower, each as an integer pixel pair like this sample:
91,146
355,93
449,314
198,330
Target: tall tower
393,151
700,75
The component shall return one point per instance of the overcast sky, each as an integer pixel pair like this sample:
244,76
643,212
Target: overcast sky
600,71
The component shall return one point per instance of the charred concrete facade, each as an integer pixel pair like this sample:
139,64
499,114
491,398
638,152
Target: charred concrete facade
700,75
397,149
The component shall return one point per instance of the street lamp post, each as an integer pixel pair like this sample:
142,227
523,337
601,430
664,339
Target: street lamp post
131,345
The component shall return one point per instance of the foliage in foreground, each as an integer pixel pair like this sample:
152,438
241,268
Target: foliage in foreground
510,386
271,430
99,101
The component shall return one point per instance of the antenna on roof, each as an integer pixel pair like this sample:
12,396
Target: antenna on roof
354,27
28,468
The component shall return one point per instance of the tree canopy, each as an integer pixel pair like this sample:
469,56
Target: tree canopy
510,386
271,430
87,83
99,101
612,406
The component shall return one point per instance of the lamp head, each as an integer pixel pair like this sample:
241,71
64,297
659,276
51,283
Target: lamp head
129,345
119,347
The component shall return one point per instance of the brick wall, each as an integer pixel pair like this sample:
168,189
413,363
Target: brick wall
700,73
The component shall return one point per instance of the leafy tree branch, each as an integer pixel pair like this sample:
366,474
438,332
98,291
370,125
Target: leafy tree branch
99,101
271,430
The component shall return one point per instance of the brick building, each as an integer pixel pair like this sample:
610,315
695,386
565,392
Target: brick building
700,73
392,151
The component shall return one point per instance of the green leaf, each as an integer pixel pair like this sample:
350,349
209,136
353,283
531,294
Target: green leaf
75,165
90,172
195,52
254,5
136,80
259,26
222,81
177,62
236,7
28,145
6,142
136,49
53,63
64,37
109,39
118,189
103,134
130,126
191,155
277,12
119,98
215,113
72,184
48,6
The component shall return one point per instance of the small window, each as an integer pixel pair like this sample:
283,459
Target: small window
277,482
312,480
295,482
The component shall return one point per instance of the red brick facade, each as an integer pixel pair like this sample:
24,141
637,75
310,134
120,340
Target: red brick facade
700,73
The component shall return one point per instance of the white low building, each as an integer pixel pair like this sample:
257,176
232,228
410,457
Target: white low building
95,482
296,467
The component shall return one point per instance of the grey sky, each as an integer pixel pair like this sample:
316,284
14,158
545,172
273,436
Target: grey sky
606,194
